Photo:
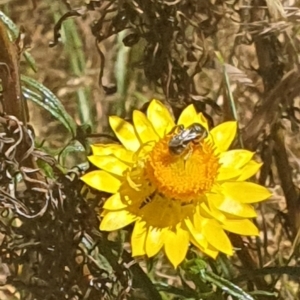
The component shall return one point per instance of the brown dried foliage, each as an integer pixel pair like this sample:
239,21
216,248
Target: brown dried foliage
178,39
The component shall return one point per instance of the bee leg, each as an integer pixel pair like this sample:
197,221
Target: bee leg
189,151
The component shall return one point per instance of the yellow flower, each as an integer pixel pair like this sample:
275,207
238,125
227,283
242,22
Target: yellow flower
194,195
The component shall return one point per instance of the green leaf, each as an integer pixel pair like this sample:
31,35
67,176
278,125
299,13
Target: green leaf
264,293
198,267
14,32
73,146
167,288
30,60
226,286
42,96
46,168
195,266
13,29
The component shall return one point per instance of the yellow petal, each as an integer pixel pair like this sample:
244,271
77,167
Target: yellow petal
109,163
113,149
125,133
155,240
190,116
203,120
138,238
249,170
105,149
242,227
209,250
114,202
245,192
176,245
196,219
204,212
114,220
133,196
216,236
102,181
196,233
225,174
231,207
143,127
160,118
162,212
223,135
235,158
218,215
124,155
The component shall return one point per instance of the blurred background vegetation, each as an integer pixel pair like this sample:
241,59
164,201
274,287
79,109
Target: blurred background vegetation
76,62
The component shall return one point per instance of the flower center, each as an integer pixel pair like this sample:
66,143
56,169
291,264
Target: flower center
184,177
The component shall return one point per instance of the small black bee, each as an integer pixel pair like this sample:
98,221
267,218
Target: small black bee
180,141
